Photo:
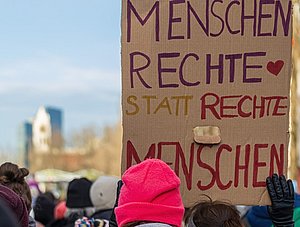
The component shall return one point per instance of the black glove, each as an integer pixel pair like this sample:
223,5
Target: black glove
281,193
112,220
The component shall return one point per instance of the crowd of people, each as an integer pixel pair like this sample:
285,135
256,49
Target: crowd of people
147,196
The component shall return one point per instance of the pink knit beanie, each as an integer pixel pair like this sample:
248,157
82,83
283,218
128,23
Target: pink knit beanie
150,193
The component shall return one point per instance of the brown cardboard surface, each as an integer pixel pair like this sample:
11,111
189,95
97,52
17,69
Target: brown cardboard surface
189,63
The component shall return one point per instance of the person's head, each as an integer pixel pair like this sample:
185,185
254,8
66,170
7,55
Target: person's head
103,192
213,214
150,194
50,196
78,193
13,177
78,200
16,204
43,209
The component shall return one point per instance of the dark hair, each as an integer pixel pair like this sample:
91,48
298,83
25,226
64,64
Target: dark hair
213,214
50,196
43,209
13,177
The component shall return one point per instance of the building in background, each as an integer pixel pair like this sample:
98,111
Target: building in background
47,130
41,142
25,141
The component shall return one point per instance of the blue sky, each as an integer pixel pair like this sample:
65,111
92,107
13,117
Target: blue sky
62,53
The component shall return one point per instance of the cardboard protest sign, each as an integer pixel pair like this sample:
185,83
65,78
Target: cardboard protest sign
211,70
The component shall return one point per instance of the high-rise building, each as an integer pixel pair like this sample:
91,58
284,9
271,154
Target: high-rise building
47,129
25,141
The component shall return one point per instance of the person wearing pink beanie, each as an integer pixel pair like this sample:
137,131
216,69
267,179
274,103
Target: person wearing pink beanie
150,194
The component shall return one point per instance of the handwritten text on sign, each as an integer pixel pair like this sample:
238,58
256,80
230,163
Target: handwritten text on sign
212,62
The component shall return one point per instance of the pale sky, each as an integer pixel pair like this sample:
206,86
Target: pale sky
62,53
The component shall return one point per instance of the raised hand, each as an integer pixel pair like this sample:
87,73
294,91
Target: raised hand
281,192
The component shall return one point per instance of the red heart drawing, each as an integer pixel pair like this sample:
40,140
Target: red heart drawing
276,67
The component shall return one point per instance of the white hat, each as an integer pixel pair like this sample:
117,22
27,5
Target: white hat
103,192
